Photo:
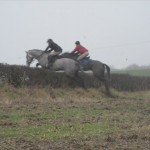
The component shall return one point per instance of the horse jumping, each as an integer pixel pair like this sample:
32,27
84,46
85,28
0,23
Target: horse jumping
69,66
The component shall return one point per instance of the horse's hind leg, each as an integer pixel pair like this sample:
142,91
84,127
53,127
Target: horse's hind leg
75,77
106,86
105,82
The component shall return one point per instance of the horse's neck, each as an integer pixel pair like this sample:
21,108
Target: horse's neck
36,53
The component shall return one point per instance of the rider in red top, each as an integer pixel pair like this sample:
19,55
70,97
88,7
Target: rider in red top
80,49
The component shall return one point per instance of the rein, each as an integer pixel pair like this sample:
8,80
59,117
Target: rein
39,55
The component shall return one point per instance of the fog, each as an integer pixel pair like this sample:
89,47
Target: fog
115,32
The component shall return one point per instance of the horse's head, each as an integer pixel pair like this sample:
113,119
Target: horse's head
29,58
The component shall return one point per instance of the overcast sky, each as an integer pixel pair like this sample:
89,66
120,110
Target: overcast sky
115,32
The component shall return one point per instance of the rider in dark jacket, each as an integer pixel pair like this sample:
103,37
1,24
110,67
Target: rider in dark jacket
53,46
56,51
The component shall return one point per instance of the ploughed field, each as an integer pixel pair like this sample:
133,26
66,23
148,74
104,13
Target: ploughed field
73,119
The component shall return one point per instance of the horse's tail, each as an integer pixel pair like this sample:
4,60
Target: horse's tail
107,69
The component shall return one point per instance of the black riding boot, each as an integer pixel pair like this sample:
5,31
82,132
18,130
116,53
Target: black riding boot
50,64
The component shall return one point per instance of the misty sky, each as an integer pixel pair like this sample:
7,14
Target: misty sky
115,32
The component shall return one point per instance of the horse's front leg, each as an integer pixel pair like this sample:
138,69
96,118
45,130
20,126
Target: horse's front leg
75,77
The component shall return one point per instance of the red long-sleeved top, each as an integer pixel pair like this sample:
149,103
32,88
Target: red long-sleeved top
80,49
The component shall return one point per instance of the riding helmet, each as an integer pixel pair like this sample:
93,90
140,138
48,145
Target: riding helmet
77,42
49,41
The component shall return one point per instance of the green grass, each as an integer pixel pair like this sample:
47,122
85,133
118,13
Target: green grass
55,132
63,122
70,123
52,130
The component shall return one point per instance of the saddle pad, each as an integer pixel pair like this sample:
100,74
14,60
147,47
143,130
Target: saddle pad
85,61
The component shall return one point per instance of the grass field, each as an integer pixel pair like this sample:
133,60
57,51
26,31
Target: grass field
73,119
134,72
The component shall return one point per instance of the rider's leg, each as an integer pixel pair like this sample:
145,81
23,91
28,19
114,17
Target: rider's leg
83,55
79,59
52,57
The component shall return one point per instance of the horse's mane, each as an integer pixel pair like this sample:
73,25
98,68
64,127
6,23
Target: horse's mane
69,55
65,53
36,50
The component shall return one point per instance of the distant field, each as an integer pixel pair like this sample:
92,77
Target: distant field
134,72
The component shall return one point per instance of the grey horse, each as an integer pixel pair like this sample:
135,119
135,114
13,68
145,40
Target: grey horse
69,66
98,68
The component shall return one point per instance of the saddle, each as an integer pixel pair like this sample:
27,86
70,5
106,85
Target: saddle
85,61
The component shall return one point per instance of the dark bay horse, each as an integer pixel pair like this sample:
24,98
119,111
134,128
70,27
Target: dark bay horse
98,68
